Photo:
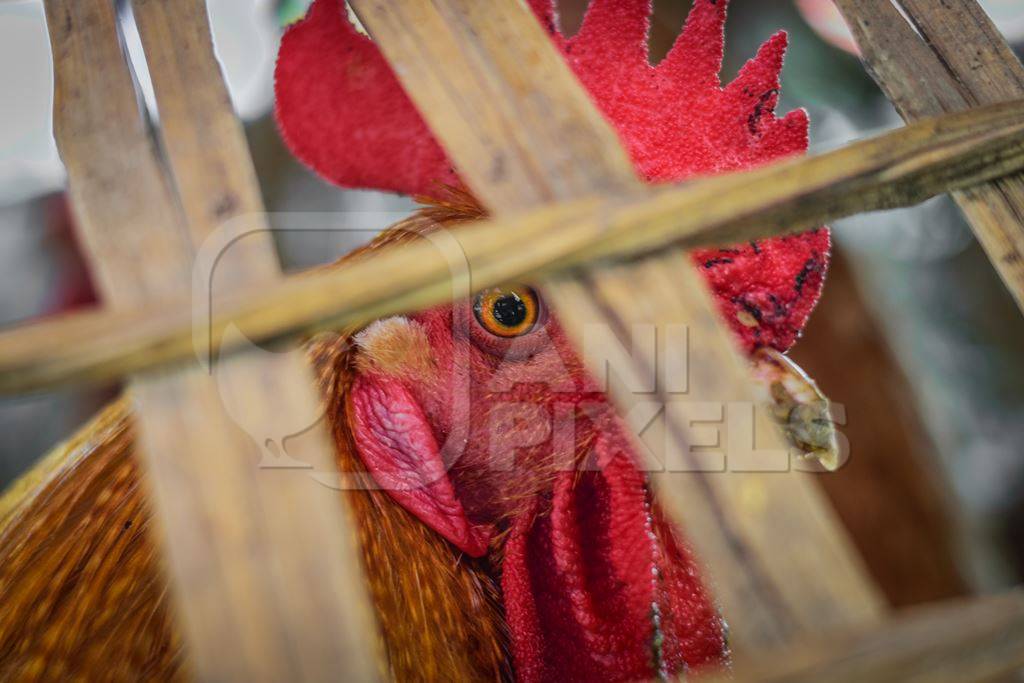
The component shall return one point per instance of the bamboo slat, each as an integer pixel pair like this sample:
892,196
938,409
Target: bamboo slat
462,64
263,563
896,169
967,640
206,149
958,61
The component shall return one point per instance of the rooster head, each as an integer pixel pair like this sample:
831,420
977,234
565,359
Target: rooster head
479,417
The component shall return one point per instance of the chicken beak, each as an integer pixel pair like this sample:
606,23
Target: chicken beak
799,407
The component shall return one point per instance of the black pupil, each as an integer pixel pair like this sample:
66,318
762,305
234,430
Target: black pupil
509,310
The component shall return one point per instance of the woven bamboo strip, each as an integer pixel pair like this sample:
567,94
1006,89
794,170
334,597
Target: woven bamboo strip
896,169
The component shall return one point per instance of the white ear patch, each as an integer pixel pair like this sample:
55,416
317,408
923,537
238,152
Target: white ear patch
395,346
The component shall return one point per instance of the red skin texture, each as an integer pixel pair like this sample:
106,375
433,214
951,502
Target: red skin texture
469,449
397,444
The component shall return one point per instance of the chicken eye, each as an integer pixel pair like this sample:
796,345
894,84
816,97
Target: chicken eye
507,311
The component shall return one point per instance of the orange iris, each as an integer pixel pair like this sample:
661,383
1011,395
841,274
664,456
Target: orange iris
507,311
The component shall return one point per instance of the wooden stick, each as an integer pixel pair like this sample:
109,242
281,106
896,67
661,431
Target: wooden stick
206,148
461,62
262,564
979,639
962,61
895,169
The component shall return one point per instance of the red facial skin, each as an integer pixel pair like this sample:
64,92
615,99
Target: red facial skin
510,447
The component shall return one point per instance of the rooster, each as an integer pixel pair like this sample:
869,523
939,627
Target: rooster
494,546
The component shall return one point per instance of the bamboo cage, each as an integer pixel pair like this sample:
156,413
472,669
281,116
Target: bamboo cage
794,616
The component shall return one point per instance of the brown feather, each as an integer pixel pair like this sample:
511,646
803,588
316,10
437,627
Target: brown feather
79,577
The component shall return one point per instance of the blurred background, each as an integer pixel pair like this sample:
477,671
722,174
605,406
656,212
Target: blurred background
915,338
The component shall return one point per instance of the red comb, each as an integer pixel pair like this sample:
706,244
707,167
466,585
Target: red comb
343,112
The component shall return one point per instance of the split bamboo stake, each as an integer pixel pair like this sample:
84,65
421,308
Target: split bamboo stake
966,640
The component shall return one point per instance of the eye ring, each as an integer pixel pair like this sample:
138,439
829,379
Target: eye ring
507,311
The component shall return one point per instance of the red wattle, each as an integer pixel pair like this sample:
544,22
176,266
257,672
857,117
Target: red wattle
587,576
